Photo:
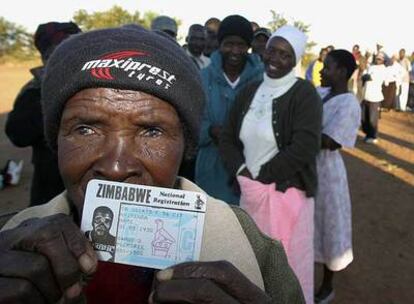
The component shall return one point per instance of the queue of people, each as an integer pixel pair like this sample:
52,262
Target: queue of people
237,124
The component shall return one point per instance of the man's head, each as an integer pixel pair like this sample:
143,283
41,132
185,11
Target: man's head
322,54
379,46
212,25
196,39
401,54
260,38
255,26
49,35
234,36
235,25
165,24
380,58
102,220
330,48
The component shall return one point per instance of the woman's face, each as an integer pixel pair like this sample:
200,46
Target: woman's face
118,135
330,74
233,50
279,58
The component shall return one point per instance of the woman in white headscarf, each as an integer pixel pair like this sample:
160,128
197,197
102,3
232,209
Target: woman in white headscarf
269,147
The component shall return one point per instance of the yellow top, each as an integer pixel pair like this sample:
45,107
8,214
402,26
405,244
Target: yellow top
316,76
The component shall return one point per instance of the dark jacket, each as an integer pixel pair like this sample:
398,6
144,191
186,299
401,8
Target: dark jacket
24,127
297,123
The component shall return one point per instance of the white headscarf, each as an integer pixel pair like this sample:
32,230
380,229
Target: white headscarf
296,38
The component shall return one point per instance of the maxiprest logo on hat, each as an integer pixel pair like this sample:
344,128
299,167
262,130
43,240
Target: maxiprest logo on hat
124,60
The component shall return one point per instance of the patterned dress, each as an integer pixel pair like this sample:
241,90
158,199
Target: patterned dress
333,235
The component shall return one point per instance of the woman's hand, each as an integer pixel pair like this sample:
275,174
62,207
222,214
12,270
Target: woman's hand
246,173
206,283
328,143
44,260
235,185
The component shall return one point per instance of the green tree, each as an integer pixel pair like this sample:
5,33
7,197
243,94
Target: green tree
278,20
15,41
115,16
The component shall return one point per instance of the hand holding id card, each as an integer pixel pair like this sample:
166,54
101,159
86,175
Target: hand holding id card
142,225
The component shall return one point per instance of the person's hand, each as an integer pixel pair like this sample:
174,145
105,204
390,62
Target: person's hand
246,173
235,184
44,261
214,132
206,283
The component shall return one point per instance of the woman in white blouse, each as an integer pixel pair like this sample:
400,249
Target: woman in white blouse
269,147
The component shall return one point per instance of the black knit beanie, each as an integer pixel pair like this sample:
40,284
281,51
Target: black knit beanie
123,58
235,25
49,34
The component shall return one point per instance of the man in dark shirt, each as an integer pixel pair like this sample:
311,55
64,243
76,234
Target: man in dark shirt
24,125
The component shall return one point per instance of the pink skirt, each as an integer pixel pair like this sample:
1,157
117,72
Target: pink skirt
287,217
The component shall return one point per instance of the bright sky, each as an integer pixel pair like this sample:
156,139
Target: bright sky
339,22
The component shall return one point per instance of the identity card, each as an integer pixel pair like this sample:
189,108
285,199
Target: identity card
142,225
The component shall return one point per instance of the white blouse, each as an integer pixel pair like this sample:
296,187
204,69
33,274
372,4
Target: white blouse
256,131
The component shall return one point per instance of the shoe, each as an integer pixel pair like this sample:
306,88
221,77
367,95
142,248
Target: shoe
12,172
324,299
371,140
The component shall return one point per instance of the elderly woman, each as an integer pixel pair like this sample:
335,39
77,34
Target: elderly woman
270,145
124,105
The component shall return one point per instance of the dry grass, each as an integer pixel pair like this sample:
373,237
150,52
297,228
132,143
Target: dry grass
12,78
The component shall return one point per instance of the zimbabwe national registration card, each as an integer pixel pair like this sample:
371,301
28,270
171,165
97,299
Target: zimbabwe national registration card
142,225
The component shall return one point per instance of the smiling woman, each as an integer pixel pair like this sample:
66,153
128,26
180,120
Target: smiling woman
269,147
130,122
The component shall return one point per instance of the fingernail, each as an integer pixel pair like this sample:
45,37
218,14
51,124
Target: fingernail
74,291
165,275
87,263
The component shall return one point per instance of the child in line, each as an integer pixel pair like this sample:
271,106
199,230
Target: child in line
341,120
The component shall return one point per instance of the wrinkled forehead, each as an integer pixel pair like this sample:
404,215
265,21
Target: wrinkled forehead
117,99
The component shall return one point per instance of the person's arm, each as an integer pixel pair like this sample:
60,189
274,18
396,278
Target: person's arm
207,130
205,137
329,144
231,147
44,261
24,125
279,280
305,142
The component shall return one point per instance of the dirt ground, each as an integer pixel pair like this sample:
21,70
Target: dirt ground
381,181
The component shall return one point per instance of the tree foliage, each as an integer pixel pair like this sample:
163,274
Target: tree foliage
15,41
115,16
278,20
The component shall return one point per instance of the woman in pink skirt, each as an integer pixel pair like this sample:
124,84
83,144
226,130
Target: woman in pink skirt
269,147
